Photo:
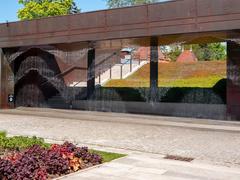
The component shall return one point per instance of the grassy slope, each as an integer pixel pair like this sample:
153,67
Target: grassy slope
201,74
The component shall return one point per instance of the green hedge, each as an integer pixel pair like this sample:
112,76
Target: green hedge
215,95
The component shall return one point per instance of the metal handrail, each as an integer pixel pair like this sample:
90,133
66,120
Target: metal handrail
70,69
103,61
65,72
126,62
107,58
77,83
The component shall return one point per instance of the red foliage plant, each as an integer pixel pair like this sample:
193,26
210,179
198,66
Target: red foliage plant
39,163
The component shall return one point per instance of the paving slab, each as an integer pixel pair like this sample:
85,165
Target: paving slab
152,134
143,166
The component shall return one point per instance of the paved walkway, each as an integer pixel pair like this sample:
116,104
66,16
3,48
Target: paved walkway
144,166
216,143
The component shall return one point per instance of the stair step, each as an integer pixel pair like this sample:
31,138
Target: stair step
115,73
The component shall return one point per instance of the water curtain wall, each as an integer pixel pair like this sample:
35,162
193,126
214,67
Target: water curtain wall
116,77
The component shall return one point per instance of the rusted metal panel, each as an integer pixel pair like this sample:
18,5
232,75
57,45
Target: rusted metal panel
218,18
182,29
3,31
125,16
23,28
221,25
87,20
182,9
217,7
53,24
168,18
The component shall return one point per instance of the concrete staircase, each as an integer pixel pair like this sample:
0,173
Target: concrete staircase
117,71
79,84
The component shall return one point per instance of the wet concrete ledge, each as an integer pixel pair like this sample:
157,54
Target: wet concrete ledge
125,118
207,111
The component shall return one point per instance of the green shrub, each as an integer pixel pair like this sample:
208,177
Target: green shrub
3,134
20,142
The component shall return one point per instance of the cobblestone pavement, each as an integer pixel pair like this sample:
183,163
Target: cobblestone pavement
205,145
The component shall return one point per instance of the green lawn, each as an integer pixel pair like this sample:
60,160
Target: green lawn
107,156
201,74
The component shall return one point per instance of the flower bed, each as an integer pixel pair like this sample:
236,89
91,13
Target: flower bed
34,159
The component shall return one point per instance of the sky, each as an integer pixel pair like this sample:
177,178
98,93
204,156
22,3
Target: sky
9,8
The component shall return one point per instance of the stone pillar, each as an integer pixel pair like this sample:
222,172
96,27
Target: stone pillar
1,83
91,73
7,82
233,81
153,69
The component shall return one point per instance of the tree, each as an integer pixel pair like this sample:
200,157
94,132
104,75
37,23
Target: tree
204,52
209,52
44,8
123,3
174,51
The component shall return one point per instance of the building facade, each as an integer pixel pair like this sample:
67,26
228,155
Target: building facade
61,62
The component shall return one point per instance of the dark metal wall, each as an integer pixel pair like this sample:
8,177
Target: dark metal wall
35,78
39,81
176,17
233,81
7,80
44,76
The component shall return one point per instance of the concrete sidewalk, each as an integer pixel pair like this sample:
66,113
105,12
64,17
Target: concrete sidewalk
148,166
207,141
143,166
